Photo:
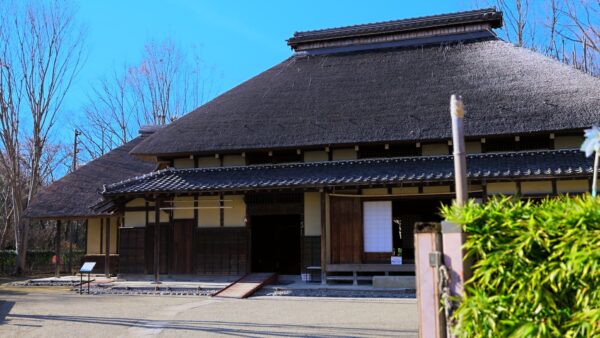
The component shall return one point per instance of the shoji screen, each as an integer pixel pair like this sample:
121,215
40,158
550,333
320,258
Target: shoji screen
377,220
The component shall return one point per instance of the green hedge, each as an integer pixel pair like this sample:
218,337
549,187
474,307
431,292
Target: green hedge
37,260
536,270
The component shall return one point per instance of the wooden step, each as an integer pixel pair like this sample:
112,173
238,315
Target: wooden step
349,278
247,285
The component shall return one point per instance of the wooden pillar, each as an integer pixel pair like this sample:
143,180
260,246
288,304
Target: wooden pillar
70,225
323,237
58,231
171,241
107,249
156,241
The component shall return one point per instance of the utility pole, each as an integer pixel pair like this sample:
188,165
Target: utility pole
75,150
453,237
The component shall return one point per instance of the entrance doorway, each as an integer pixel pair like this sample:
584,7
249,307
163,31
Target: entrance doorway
276,243
406,212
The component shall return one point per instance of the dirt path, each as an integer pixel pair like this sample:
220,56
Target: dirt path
56,312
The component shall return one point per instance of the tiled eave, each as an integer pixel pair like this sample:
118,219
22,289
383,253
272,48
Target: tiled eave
405,170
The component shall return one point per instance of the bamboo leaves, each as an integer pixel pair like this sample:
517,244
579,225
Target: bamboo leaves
536,270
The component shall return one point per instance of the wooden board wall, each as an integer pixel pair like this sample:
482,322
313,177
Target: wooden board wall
221,251
165,248
311,251
346,230
183,247
132,250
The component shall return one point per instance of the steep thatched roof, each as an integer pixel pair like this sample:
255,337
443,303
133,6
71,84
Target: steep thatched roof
387,95
74,195
492,166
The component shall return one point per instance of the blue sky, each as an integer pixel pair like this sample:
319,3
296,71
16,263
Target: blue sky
239,38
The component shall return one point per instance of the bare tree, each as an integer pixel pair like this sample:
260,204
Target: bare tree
40,55
517,21
109,115
582,28
164,85
567,30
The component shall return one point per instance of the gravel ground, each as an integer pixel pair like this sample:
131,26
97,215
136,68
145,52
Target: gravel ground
273,292
162,291
408,293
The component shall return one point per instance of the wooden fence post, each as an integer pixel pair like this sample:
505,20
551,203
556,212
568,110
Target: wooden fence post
58,237
428,251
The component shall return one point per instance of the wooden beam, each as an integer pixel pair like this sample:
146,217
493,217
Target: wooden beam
70,230
107,251
86,237
157,241
58,231
323,237
221,210
101,234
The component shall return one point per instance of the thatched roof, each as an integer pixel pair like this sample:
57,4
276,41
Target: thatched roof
387,95
491,166
75,195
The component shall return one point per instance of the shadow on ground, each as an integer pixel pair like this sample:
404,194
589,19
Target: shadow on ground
5,307
238,329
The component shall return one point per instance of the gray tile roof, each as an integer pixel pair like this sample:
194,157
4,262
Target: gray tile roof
531,164
488,15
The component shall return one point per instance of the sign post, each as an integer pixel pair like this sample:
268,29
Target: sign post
87,267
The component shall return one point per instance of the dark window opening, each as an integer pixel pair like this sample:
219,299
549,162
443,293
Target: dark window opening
499,144
394,150
285,156
535,142
258,158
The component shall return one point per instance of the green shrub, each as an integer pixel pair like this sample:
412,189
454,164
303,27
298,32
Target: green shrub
536,269
37,260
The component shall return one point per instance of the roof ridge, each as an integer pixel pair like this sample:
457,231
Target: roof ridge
394,21
487,15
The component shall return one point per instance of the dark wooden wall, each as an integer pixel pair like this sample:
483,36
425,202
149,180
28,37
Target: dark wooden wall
100,262
132,250
165,248
311,251
221,251
346,230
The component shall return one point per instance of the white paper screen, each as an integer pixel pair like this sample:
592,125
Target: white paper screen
377,220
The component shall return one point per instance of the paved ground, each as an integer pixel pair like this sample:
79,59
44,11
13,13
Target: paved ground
55,312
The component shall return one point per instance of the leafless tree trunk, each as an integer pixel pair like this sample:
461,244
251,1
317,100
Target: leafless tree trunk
552,24
517,20
41,54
